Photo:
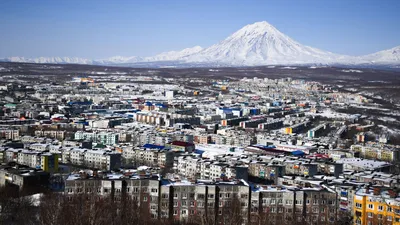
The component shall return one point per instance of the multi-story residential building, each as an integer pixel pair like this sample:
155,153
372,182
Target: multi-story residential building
99,159
180,146
10,134
376,205
385,153
34,159
27,180
154,157
56,134
107,138
289,205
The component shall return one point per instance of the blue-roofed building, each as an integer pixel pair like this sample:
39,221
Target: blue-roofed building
200,152
298,153
151,146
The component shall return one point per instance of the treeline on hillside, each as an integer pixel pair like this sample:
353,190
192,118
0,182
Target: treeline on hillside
83,209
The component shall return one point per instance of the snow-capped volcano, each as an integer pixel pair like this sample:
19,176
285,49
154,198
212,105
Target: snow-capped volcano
260,44
255,44
390,56
55,60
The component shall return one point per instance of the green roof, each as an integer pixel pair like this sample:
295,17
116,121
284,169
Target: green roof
9,105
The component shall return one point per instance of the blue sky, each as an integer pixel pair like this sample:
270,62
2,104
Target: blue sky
100,29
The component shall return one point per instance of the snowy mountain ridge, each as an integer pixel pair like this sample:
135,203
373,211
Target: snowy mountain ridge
254,44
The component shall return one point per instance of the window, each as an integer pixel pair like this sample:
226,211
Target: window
191,212
175,195
153,207
397,219
184,195
380,216
389,209
308,201
299,202
370,215
370,206
227,195
273,210
315,202
389,218
315,209
358,205
183,212
264,201
154,190
322,210
273,201
280,201
211,196
380,208
175,212
191,203
145,198
176,204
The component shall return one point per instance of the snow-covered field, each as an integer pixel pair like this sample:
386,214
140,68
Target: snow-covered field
351,71
369,107
329,113
387,119
393,131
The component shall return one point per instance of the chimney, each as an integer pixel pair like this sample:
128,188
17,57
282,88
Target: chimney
392,194
377,191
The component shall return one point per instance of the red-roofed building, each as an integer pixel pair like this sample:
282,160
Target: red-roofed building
181,146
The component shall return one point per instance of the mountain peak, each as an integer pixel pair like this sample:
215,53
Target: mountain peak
258,27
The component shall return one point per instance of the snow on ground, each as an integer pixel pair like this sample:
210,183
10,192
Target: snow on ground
103,73
35,198
289,68
351,71
351,89
393,131
361,163
368,107
387,119
211,150
329,113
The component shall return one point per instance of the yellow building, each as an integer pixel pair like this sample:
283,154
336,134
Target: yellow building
376,206
49,162
288,130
